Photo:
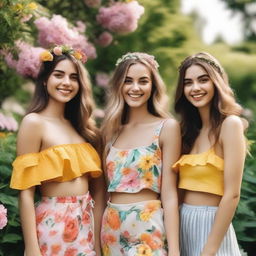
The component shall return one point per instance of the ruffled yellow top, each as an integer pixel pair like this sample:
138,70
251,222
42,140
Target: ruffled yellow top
201,172
57,163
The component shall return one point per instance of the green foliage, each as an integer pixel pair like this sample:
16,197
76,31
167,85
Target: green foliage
245,218
11,234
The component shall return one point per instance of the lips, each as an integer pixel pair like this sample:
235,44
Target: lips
64,91
198,96
134,95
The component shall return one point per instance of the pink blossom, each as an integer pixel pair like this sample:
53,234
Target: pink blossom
121,17
57,31
105,39
92,3
102,79
98,113
57,50
8,123
3,216
80,26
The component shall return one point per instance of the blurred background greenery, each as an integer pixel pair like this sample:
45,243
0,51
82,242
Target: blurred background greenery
163,31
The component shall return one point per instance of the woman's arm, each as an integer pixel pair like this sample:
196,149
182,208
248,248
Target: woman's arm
29,141
170,140
98,192
234,150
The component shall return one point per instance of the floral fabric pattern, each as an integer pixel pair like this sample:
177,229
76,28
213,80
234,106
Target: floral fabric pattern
65,226
135,169
133,229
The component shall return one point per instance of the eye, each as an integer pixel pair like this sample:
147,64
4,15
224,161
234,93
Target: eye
187,83
128,81
74,78
58,75
204,80
144,81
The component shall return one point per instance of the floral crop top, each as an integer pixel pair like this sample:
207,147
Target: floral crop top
58,163
134,169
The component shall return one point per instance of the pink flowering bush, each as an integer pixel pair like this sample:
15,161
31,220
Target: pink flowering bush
28,62
120,17
102,79
105,39
58,31
8,123
3,216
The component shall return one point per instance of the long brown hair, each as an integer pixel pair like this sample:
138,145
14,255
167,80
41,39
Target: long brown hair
223,102
78,110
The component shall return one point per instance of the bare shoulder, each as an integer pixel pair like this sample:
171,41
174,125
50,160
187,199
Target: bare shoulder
171,124
30,134
171,128
232,122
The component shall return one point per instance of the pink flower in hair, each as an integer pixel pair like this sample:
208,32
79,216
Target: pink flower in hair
3,216
121,17
105,39
57,50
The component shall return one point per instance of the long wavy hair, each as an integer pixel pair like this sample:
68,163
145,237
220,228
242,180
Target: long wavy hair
78,110
223,102
117,109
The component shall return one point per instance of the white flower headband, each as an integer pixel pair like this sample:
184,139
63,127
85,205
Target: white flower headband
138,56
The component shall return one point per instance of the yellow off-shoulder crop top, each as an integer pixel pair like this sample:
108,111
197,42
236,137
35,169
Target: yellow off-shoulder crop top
58,163
201,172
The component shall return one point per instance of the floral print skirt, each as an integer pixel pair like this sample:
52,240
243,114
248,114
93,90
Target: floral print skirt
65,226
134,229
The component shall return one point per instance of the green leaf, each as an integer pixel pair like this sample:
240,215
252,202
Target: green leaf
11,238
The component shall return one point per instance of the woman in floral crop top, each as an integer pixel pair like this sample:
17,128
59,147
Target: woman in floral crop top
141,143
214,149
55,148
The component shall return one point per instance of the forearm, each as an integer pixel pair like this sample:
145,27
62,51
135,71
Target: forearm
171,223
223,218
28,223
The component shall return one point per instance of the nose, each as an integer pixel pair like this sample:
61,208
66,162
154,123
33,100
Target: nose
195,87
135,86
66,80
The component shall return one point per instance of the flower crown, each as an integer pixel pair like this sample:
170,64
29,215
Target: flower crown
138,56
58,50
210,62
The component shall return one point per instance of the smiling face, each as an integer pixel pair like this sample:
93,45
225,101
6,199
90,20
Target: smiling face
62,84
137,86
198,87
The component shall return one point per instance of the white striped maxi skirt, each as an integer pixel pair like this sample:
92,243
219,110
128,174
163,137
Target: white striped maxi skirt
195,225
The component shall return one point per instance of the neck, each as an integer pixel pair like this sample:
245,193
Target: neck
205,117
139,115
55,110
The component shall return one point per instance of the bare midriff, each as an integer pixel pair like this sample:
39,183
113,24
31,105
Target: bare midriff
126,198
200,198
75,187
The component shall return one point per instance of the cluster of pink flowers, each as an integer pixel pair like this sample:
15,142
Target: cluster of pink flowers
102,79
120,17
105,39
57,31
28,62
8,123
3,216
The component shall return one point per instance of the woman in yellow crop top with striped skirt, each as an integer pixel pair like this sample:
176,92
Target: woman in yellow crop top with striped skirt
213,154
55,148
141,144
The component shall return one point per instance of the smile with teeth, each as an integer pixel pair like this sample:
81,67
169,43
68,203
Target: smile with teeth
197,96
135,95
64,91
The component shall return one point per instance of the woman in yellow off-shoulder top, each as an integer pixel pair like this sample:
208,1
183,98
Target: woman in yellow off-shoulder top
211,167
55,148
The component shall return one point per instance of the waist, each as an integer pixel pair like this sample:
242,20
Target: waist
143,195
77,186
200,198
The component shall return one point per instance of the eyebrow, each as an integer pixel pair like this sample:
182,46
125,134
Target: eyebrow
61,71
197,77
143,77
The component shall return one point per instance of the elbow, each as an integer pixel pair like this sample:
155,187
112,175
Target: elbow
233,197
